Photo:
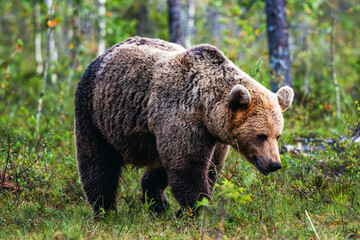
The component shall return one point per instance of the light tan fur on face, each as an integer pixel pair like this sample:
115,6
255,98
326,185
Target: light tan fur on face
263,117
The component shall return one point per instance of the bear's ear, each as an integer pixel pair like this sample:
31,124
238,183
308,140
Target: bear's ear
239,97
285,97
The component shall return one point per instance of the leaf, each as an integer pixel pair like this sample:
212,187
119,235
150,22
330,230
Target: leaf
20,42
70,46
203,203
52,23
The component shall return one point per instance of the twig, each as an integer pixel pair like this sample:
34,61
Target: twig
216,173
260,206
356,131
38,156
6,162
317,235
307,198
283,190
6,61
247,9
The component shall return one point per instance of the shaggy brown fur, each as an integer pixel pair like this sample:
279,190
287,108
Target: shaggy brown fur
154,104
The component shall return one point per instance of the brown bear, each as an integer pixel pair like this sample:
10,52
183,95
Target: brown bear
175,111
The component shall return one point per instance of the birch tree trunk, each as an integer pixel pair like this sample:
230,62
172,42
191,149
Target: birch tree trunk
278,44
66,28
38,56
50,36
333,72
102,19
174,20
51,41
308,53
190,22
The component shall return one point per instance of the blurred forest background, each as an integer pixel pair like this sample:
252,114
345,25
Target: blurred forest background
45,46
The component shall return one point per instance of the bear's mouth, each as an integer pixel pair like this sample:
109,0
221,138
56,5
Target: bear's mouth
258,165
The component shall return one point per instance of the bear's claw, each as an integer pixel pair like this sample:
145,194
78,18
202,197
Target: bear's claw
158,207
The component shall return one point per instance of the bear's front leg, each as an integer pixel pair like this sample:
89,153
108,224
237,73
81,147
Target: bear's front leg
189,183
217,163
186,150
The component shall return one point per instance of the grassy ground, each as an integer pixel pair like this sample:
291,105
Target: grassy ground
40,191
43,198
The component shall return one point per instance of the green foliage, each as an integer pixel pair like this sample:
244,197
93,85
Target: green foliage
227,194
40,191
49,201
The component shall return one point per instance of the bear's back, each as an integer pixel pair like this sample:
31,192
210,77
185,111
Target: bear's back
154,44
135,56
121,84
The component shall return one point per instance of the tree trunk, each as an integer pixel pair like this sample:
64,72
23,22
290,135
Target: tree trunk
278,44
189,22
38,55
333,72
50,39
102,11
174,19
76,48
143,27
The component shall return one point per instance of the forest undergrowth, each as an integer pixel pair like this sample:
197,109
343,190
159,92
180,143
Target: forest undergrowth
45,46
41,195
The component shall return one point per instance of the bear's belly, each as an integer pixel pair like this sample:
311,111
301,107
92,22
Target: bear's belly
140,151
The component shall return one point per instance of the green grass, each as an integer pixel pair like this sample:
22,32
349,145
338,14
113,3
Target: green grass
45,199
47,202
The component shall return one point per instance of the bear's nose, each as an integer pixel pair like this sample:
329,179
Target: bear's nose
274,167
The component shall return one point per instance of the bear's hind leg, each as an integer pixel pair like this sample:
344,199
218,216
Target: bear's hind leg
99,166
153,184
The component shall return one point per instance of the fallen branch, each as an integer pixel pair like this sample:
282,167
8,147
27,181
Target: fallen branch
306,145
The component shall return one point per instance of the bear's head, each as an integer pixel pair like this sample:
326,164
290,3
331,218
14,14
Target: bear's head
255,123
253,119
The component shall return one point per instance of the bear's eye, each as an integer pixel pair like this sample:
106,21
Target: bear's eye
277,138
262,137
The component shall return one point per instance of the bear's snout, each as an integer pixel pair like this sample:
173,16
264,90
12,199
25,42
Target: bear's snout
274,167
